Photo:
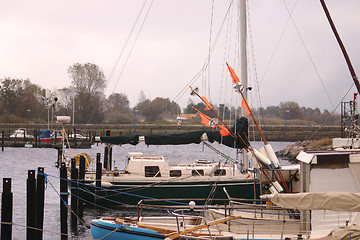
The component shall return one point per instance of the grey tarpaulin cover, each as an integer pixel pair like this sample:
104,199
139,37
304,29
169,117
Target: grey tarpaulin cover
334,201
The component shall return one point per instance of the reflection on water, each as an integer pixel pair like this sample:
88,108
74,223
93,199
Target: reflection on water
15,162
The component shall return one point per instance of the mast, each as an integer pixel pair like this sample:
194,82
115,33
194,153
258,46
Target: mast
243,37
243,63
347,59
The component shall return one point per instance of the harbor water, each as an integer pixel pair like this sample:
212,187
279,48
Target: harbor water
15,163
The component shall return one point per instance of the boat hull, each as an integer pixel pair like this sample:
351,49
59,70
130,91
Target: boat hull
130,193
110,231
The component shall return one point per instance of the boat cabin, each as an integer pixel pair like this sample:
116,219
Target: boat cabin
157,166
329,171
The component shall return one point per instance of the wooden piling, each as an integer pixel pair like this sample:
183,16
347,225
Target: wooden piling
40,200
106,155
31,205
74,194
6,210
74,139
59,158
63,201
98,177
81,186
110,157
36,137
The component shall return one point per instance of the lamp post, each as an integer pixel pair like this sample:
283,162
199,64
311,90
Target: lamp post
134,114
27,119
286,111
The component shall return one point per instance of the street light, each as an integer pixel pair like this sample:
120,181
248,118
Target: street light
27,119
134,114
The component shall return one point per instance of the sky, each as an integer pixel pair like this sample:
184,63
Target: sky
292,58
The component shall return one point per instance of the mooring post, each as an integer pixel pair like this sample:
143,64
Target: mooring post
36,137
74,194
31,205
40,200
63,201
2,140
81,186
59,158
6,210
75,139
110,157
106,154
98,177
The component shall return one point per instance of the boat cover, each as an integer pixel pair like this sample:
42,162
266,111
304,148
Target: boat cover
123,139
334,201
186,137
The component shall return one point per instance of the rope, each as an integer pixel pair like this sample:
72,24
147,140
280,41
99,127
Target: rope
111,190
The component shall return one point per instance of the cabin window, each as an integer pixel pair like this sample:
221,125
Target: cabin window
175,173
220,172
197,172
152,171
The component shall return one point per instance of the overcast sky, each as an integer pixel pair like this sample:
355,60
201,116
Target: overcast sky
41,39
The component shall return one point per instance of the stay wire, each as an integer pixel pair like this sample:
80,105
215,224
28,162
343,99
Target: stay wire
205,65
127,41
132,47
209,54
277,44
332,112
308,53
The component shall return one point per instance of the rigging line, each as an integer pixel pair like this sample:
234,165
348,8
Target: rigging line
209,54
332,112
277,44
127,40
256,79
195,78
132,47
308,53
226,52
251,43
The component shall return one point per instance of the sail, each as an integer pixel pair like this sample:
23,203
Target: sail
240,129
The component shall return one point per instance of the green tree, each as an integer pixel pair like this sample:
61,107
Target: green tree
153,109
117,108
21,98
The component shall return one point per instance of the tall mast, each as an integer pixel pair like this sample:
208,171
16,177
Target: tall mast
243,37
243,63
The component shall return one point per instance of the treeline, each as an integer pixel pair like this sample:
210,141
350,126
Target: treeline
288,111
21,100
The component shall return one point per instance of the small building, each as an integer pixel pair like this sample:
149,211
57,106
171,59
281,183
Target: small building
186,117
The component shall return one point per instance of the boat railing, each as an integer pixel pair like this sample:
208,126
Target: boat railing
256,207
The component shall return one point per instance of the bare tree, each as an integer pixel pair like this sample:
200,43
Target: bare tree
89,83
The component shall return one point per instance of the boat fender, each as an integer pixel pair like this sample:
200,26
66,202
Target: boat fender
253,159
262,150
276,187
272,155
106,184
263,159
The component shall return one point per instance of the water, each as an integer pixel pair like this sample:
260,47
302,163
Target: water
15,163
